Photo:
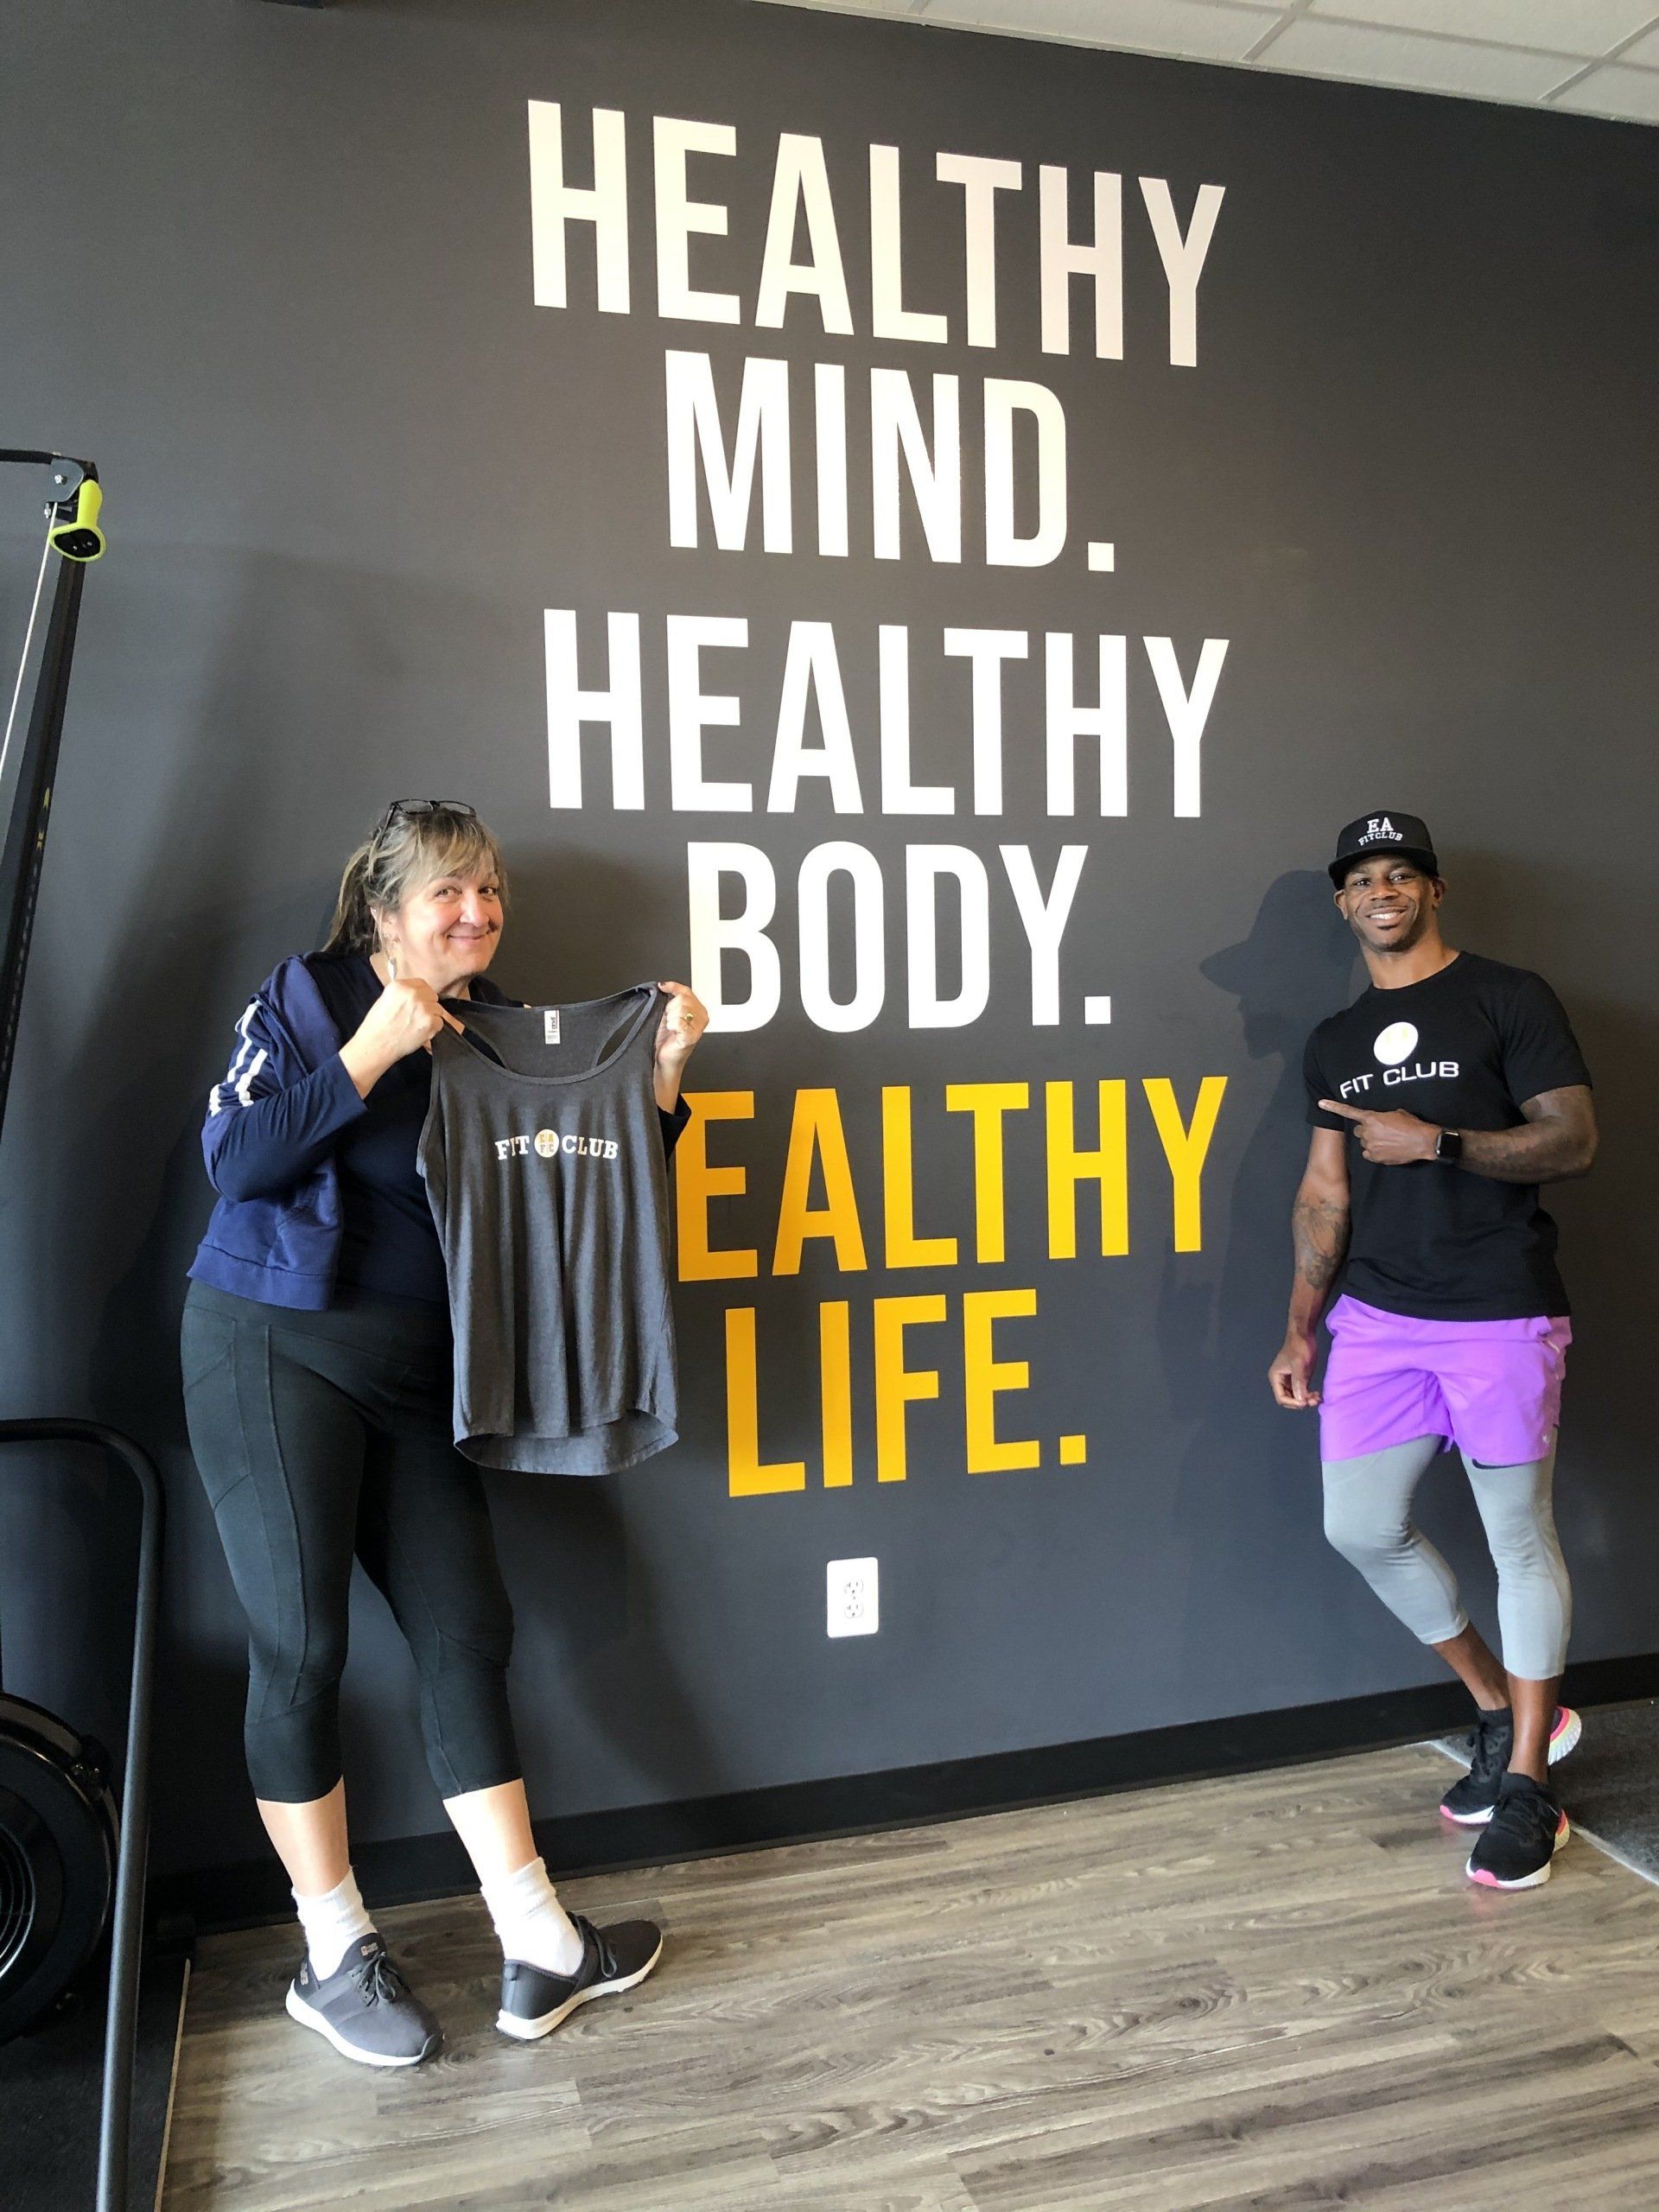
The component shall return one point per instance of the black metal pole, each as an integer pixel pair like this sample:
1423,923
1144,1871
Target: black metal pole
25,846
127,1917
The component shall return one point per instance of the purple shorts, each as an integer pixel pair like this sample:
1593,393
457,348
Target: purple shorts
1492,1388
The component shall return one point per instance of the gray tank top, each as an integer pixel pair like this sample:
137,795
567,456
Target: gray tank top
548,1182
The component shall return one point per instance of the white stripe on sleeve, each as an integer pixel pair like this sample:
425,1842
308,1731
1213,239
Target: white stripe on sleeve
235,1078
245,1088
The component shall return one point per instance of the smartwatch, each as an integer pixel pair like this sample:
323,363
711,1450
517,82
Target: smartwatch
1448,1147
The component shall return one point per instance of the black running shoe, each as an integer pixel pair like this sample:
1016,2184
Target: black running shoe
1470,1802
366,2008
534,2002
1515,1848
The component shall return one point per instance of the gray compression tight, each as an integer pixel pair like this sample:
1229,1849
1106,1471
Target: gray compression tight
1367,1518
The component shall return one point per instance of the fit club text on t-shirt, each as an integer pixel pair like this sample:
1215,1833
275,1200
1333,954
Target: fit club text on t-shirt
1466,1049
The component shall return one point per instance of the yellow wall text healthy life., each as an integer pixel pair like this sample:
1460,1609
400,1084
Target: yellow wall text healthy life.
820,1206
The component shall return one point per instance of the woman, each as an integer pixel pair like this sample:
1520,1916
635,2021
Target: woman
317,1361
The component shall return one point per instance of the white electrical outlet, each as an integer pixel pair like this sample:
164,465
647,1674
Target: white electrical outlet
854,1597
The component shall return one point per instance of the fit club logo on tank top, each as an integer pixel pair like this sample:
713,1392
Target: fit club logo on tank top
1392,1049
548,1144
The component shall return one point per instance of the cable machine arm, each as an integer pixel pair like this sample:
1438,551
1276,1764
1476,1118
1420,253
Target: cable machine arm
73,503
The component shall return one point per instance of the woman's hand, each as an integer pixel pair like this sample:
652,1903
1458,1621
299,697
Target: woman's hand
684,1019
404,1018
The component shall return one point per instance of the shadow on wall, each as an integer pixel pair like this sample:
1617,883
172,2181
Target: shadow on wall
1247,1504
1606,1506
597,1687
1531,909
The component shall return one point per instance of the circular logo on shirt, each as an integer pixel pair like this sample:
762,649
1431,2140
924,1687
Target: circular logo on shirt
1394,1042
547,1141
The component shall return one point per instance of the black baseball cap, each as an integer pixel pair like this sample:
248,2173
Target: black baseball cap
1406,834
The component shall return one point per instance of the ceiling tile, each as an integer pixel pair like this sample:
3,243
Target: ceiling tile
1314,48
1583,28
1193,29
1367,41
1632,93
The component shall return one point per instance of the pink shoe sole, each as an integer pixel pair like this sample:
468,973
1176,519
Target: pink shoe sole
1523,1881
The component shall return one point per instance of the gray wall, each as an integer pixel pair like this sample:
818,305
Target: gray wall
272,269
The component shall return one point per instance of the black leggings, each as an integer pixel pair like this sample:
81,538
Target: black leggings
321,1435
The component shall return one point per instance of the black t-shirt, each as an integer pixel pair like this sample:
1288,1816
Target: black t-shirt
1465,1048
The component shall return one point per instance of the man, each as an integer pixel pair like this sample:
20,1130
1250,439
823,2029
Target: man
1438,1101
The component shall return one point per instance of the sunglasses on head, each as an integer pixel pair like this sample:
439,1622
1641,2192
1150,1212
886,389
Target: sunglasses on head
417,806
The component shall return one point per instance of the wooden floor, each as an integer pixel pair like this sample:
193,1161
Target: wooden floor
1275,1992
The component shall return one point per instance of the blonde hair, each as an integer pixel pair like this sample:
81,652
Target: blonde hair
400,857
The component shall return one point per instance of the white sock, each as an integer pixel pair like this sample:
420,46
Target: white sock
332,1923
530,1922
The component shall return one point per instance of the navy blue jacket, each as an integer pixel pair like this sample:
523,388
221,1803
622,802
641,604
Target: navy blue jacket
269,1142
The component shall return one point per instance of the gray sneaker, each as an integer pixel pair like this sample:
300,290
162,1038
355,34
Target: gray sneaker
366,2009
533,2002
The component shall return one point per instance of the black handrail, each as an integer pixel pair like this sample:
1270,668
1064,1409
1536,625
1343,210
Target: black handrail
127,1919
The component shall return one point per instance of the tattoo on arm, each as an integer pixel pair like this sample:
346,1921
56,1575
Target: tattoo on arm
1558,1142
1318,1229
